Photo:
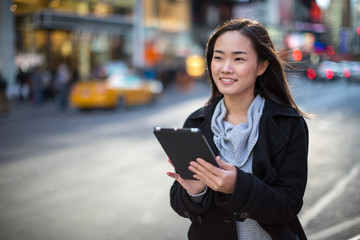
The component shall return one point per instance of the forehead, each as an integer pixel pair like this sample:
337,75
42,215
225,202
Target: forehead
233,40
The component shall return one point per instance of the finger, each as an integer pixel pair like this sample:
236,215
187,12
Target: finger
198,168
206,172
222,164
203,174
171,174
208,167
219,161
175,176
208,180
213,176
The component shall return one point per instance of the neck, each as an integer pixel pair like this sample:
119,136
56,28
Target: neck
237,109
238,105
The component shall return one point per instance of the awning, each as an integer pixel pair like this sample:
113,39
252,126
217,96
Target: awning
115,25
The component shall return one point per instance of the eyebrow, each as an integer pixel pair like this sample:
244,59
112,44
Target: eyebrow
234,53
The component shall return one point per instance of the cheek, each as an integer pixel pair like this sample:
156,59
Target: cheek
212,66
247,70
213,69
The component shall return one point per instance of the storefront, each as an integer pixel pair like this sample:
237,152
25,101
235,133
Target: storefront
81,34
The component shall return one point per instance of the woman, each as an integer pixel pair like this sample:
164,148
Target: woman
259,134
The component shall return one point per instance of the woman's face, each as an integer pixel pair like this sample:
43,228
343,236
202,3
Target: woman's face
234,65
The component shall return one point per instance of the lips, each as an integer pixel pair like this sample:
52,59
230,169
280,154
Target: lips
227,80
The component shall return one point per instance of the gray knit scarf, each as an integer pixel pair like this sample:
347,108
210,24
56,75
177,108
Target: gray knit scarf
235,144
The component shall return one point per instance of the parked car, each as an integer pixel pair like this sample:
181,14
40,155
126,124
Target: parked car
351,70
325,71
120,87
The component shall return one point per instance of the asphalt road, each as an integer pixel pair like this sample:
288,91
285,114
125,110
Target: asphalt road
102,175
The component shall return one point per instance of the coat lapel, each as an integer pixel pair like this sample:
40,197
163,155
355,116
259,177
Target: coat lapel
271,140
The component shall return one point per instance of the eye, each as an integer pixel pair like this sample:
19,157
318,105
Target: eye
239,59
217,57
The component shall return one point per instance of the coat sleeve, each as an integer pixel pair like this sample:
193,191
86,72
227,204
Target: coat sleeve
279,201
183,205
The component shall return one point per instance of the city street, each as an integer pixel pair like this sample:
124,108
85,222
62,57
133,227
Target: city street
102,174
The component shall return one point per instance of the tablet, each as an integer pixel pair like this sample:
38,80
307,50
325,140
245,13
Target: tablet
183,145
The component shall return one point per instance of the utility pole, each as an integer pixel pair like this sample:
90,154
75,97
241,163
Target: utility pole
346,21
7,45
138,34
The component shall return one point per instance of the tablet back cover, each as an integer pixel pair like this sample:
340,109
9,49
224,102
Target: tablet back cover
183,146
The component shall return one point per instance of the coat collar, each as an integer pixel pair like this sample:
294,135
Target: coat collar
271,137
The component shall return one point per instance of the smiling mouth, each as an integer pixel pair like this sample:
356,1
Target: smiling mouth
227,80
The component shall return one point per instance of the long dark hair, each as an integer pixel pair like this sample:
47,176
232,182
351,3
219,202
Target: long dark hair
272,84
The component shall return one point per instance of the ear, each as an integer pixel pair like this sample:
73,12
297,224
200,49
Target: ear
262,67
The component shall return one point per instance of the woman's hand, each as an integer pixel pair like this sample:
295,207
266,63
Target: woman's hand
192,186
220,179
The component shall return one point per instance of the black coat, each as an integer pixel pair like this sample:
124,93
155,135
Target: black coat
272,195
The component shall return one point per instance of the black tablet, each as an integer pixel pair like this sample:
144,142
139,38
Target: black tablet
183,145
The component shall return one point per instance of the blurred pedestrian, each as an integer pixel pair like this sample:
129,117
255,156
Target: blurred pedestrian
4,104
22,80
47,84
62,86
260,138
38,85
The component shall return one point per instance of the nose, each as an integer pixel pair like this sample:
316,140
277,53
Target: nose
227,67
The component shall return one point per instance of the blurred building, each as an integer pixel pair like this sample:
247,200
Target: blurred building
85,34
82,34
342,20
291,23
167,25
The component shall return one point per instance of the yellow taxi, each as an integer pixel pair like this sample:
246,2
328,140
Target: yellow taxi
120,87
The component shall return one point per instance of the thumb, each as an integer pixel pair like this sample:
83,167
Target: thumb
223,164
